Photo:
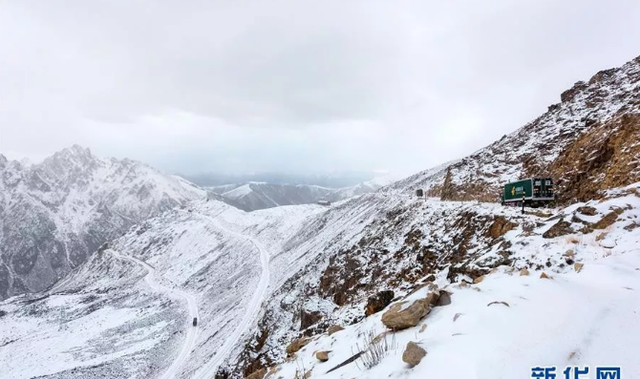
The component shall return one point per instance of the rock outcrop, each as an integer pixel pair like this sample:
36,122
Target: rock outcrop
296,345
561,228
378,302
258,374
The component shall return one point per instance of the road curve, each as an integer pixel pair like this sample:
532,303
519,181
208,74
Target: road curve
208,371
161,284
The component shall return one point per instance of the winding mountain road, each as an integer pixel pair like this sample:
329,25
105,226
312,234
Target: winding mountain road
161,284
208,371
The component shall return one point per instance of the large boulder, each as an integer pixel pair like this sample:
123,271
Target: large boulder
296,345
378,302
413,354
399,317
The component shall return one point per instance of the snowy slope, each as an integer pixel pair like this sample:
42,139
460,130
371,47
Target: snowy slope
604,293
54,214
105,321
575,319
590,136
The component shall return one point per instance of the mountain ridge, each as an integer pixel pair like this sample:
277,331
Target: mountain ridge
57,212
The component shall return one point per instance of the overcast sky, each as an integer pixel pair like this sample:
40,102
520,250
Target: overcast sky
293,86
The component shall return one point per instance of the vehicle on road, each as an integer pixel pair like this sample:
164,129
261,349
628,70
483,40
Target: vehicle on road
533,192
195,321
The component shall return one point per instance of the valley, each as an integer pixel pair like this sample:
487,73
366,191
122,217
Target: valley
105,263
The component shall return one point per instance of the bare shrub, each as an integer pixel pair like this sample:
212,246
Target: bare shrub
374,349
301,371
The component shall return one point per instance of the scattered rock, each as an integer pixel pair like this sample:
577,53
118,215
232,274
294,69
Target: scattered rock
569,253
296,345
443,299
578,267
322,356
499,302
397,318
606,221
561,228
378,302
544,276
334,329
587,211
456,316
423,328
478,279
413,354
258,374
601,236
524,272
631,226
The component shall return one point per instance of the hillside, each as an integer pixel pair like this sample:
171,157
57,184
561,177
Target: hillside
588,142
272,287
54,214
390,241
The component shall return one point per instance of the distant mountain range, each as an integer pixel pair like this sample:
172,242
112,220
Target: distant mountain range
332,180
260,195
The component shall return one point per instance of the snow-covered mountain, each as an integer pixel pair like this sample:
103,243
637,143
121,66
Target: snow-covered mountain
54,214
272,288
260,195
588,142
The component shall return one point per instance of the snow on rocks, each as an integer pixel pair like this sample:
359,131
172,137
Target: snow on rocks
593,312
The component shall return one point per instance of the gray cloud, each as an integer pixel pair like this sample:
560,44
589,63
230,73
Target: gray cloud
293,85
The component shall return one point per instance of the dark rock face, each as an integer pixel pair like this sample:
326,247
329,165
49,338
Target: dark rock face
569,94
55,214
378,302
309,318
